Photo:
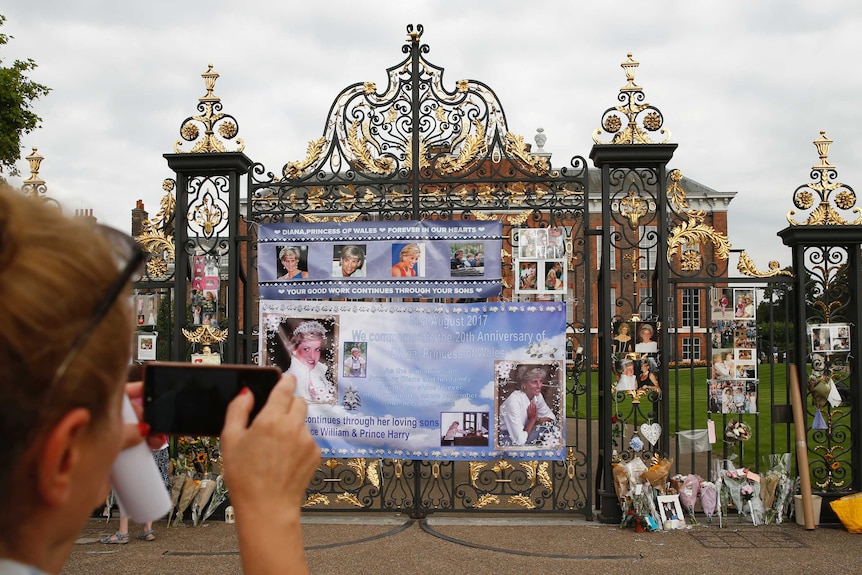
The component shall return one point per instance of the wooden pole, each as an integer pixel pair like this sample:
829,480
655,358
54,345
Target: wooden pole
801,448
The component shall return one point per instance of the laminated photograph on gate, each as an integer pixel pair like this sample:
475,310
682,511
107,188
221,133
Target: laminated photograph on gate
732,396
539,258
635,358
305,347
734,354
530,403
830,337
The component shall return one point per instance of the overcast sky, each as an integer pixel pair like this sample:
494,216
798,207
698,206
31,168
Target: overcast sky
744,86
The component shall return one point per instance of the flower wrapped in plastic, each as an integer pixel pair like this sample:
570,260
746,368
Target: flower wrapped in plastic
708,499
109,505
744,494
688,492
675,483
218,497
635,469
755,505
732,484
751,502
737,431
621,481
189,491
776,488
657,474
639,511
202,497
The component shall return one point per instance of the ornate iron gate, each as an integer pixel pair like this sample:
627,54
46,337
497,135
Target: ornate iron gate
416,149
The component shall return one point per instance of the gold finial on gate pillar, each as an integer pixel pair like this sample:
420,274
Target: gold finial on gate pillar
35,160
825,190
34,186
630,66
634,107
210,107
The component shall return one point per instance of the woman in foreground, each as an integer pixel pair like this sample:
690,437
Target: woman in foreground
61,385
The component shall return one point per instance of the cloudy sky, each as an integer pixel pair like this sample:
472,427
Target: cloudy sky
745,86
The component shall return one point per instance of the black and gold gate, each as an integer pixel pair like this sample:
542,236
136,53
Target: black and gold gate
416,149
638,249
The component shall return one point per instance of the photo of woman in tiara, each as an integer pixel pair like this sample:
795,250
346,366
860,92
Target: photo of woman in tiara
305,345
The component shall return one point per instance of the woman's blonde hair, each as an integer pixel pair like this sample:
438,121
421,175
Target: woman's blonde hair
54,272
410,250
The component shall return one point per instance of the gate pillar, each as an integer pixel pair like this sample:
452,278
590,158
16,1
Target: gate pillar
635,223
620,165
206,222
828,289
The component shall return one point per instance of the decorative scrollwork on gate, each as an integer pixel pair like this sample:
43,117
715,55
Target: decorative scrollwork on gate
355,482
157,235
747,267
416,145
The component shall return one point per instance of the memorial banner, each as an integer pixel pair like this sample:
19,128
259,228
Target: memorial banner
400,259
425,380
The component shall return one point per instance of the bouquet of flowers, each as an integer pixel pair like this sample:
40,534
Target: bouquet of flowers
657,474
776,488
688,494
204,492
639,510
219,495
744,494
708,499
737,431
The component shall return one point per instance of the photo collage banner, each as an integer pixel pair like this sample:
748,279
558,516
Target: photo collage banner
205,289
397,259
733,387
635,357
425,380
540,258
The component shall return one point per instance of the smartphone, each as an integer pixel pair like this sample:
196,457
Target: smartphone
192,399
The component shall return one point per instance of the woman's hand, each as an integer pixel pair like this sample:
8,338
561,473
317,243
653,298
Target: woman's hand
267,468
134,433
532,412
269,463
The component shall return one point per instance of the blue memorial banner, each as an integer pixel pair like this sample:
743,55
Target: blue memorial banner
425,380
399,259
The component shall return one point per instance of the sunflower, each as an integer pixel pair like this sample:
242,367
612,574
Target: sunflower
202,457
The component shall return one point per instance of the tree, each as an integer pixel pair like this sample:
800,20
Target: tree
17,93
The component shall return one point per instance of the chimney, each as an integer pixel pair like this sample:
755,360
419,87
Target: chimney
87,214
139,215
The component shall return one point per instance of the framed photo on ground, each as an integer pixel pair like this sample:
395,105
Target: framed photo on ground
671,512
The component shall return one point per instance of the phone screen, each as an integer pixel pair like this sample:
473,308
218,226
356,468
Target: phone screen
189,399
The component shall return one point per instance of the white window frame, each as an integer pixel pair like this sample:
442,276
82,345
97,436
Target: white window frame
691,348
644,308
613,252
691,308
647,248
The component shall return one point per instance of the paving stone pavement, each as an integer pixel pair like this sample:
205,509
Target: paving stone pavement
343,543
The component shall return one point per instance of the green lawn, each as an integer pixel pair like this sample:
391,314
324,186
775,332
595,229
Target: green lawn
686,393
